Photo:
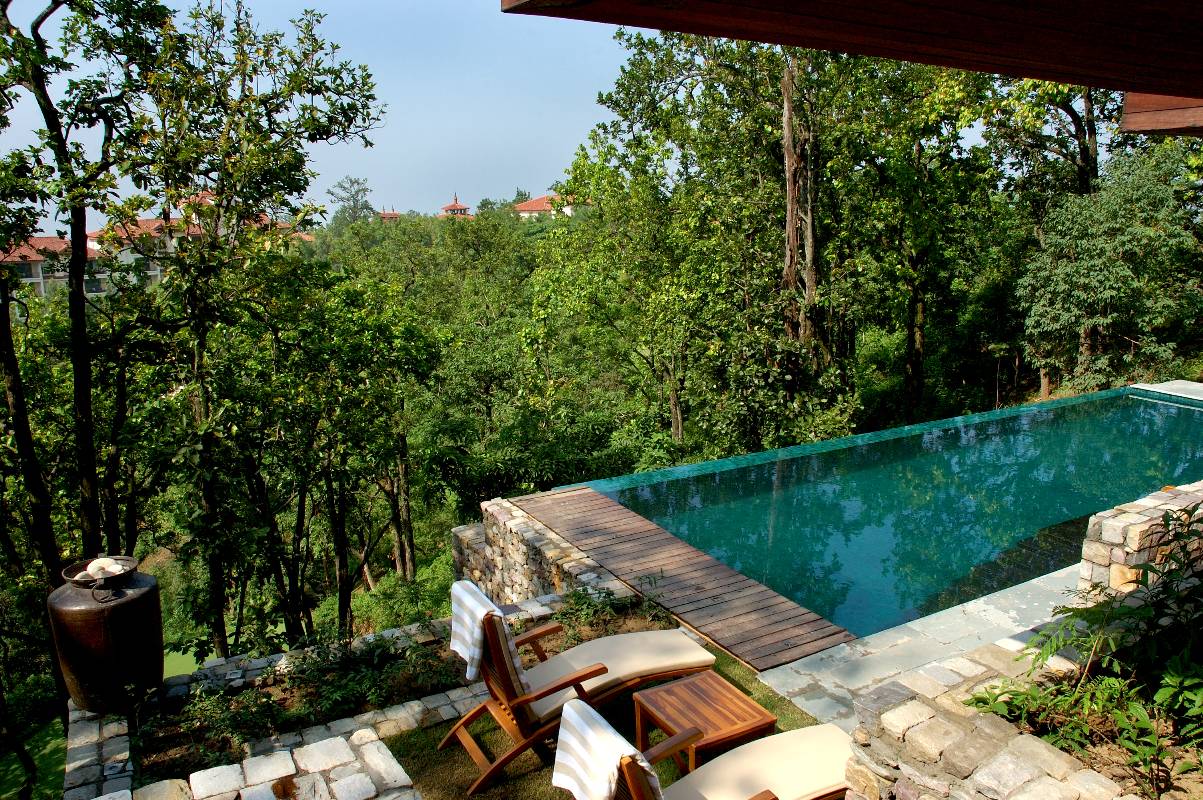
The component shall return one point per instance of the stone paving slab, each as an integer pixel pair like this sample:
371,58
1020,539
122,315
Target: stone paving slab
929,655
1188,389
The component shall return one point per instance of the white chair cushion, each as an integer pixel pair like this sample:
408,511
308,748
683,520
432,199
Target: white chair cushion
796,765
626,656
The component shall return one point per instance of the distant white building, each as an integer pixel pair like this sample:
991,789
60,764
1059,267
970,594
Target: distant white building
41,262
539,206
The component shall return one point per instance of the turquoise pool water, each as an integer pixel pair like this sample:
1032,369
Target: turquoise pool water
874,530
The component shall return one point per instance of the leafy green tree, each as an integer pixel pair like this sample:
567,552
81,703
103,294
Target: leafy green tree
352,196
1050,137
236,111
1114,285
92,80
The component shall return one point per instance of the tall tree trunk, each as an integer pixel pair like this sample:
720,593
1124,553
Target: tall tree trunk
336,503
79,342
240,614
405,506
81,393
913,378
674,410
131,509
206,487
792,146
1085,349
296,562
261,501
1046,384
110,501
400,506
41,530
800,273
1092,134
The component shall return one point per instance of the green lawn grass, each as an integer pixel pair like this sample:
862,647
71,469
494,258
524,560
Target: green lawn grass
178,664
48,748
447,774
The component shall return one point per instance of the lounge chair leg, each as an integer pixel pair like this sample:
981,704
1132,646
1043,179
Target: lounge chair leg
464,721
495,769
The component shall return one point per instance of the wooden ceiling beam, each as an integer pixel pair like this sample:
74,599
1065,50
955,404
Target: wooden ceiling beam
1152,47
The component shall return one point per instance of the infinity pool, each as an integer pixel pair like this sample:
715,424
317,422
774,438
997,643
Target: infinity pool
874,530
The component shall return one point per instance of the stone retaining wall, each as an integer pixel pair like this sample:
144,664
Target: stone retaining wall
1120,538
99,765
514,557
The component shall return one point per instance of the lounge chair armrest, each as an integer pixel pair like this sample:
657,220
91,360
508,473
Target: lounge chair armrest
572,680
673,745
765,795
533,636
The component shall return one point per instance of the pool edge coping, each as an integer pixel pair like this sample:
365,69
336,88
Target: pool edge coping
686,471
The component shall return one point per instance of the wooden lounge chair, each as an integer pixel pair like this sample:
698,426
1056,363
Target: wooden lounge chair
803,764
594,671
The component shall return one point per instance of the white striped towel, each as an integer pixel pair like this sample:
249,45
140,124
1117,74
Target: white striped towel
468,609
469,605
588,753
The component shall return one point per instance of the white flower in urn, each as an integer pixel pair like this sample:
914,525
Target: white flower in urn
103,567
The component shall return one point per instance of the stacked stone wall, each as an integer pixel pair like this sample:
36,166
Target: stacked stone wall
1120,538
513,557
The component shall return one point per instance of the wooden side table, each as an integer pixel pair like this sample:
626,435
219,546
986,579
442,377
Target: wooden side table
725,715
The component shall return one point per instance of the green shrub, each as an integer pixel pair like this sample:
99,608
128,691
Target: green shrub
394,602
239,718
336,682
587,608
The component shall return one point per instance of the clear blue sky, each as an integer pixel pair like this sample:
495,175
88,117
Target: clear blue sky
479,103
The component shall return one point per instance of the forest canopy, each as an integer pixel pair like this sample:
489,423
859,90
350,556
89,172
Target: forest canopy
769,246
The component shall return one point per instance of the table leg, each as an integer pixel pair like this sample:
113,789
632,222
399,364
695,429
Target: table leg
640,730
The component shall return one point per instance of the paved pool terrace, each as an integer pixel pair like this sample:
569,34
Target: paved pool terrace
926,654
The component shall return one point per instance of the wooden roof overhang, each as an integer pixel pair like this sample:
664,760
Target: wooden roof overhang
1153,48
1152,113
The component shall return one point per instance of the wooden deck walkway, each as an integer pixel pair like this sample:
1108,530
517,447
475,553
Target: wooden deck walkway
760,627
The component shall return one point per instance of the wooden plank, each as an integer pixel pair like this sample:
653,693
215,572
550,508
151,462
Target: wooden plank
598,524
601,533
760,608
734,593
786,639
715,576
724,590
802,651
739,631
644,547
575,508
751,637
1104,43
750,620
794,642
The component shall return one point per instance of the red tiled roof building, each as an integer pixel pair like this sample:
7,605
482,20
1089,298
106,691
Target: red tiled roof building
538,206
455,209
